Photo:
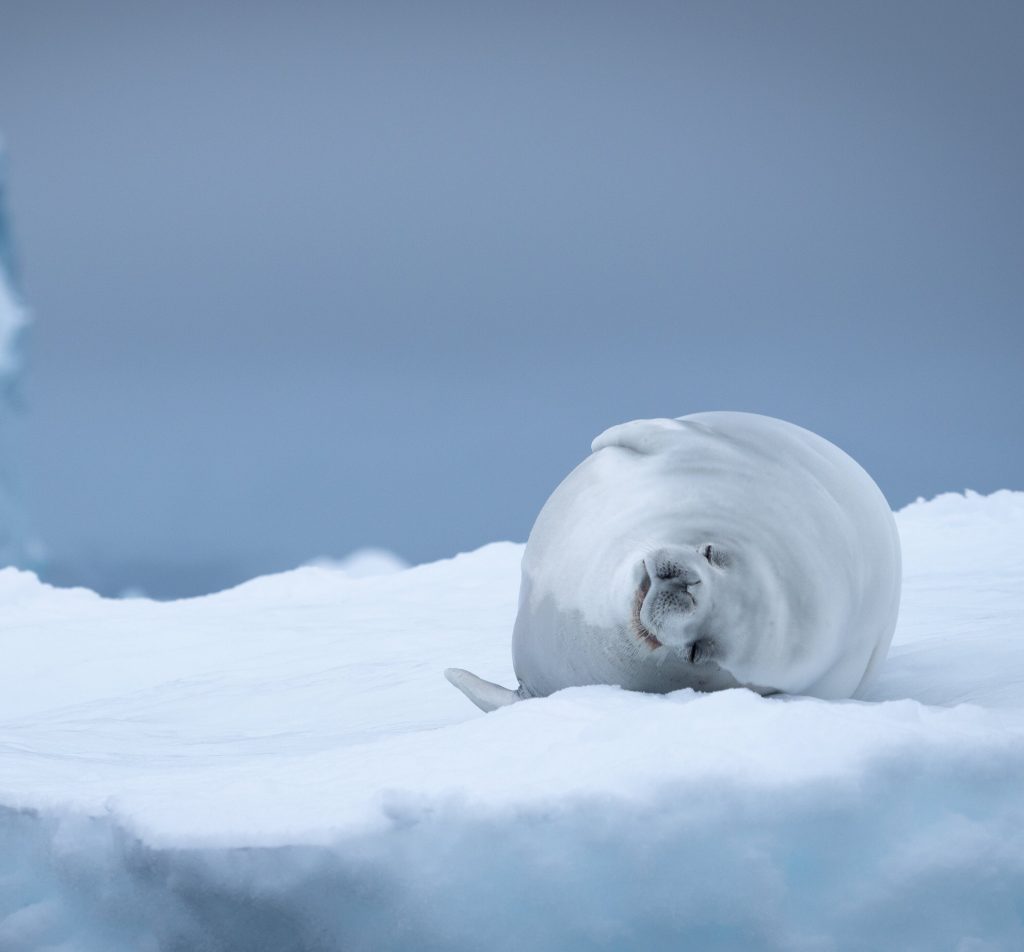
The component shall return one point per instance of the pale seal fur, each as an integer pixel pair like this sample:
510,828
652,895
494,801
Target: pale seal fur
711,551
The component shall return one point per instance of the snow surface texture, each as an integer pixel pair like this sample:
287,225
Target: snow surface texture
282,766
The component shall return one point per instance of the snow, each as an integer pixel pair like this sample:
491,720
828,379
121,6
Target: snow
283,766
364,562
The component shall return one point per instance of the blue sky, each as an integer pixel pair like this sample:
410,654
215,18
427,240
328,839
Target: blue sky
313,277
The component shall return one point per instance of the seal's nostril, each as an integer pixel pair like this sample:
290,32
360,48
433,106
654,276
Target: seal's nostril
668,569
674,566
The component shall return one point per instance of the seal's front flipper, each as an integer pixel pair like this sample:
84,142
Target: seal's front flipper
484,694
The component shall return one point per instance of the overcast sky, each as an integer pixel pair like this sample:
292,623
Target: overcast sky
310,277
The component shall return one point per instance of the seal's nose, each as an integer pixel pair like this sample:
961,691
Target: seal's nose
671,594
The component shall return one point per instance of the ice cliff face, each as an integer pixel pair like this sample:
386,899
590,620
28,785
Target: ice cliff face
13,319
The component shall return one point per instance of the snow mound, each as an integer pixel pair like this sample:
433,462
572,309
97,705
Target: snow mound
282,766
364,562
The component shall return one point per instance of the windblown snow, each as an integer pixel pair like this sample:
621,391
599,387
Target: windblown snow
282,766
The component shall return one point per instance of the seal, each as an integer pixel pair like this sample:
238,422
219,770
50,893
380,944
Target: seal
715,550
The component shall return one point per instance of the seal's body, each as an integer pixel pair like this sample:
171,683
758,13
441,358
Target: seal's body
717,550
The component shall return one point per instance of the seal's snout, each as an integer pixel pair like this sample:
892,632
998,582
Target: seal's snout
671,592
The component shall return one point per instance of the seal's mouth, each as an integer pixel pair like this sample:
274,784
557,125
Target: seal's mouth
639,628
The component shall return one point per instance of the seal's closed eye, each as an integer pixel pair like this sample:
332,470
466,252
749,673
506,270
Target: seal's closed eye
714,555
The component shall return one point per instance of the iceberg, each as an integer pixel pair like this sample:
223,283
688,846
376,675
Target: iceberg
13,317
15,544
282,766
